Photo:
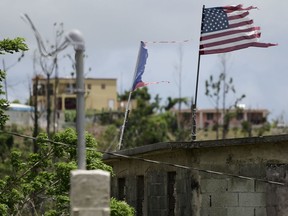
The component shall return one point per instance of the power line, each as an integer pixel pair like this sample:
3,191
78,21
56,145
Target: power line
155,161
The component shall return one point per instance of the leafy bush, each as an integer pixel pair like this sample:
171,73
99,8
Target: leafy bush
70,115
120,208
40,183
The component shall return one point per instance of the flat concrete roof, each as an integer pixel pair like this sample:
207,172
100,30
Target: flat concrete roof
199,144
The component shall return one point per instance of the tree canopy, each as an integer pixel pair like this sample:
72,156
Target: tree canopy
147,123
40,182
8,46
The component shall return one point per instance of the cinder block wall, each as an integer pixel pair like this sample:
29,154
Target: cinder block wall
277,196
157,193
199,193
231,197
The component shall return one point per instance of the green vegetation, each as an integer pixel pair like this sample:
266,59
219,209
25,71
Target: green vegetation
150,122
147,123
39,182
8,46
12,46
120,208
235,132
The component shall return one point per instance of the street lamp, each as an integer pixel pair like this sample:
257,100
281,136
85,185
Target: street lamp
75,38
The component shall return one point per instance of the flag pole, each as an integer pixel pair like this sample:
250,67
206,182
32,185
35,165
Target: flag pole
127,111
194,105
125,120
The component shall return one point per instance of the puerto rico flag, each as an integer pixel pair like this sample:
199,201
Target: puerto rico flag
140,68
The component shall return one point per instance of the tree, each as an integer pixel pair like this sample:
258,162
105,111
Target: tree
180,133
145,125
213,91
171,102
12,45
223,85
229,113
49,52
108,138
7,142
39,183
3,102
246,128
8,46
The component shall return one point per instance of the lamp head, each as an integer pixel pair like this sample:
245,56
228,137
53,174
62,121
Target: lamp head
75,38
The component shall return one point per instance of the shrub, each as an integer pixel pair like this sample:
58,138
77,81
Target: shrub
121,208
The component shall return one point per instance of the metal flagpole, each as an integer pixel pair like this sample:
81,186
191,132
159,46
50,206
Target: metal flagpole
127,111
125,120
194,105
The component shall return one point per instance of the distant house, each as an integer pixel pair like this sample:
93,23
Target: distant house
204,178
209,117
100,94
20,114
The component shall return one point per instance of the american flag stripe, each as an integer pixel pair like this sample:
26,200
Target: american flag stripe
238,16
238,8
241,24
236,47
234,40
231,32
226,40
217,37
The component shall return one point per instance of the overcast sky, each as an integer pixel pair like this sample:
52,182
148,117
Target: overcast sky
113,29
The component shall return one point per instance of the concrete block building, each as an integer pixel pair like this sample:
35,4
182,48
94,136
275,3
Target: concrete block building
232,177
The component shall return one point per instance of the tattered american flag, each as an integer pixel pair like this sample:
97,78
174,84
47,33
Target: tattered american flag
225,29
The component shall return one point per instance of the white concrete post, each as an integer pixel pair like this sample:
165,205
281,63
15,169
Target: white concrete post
90,193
